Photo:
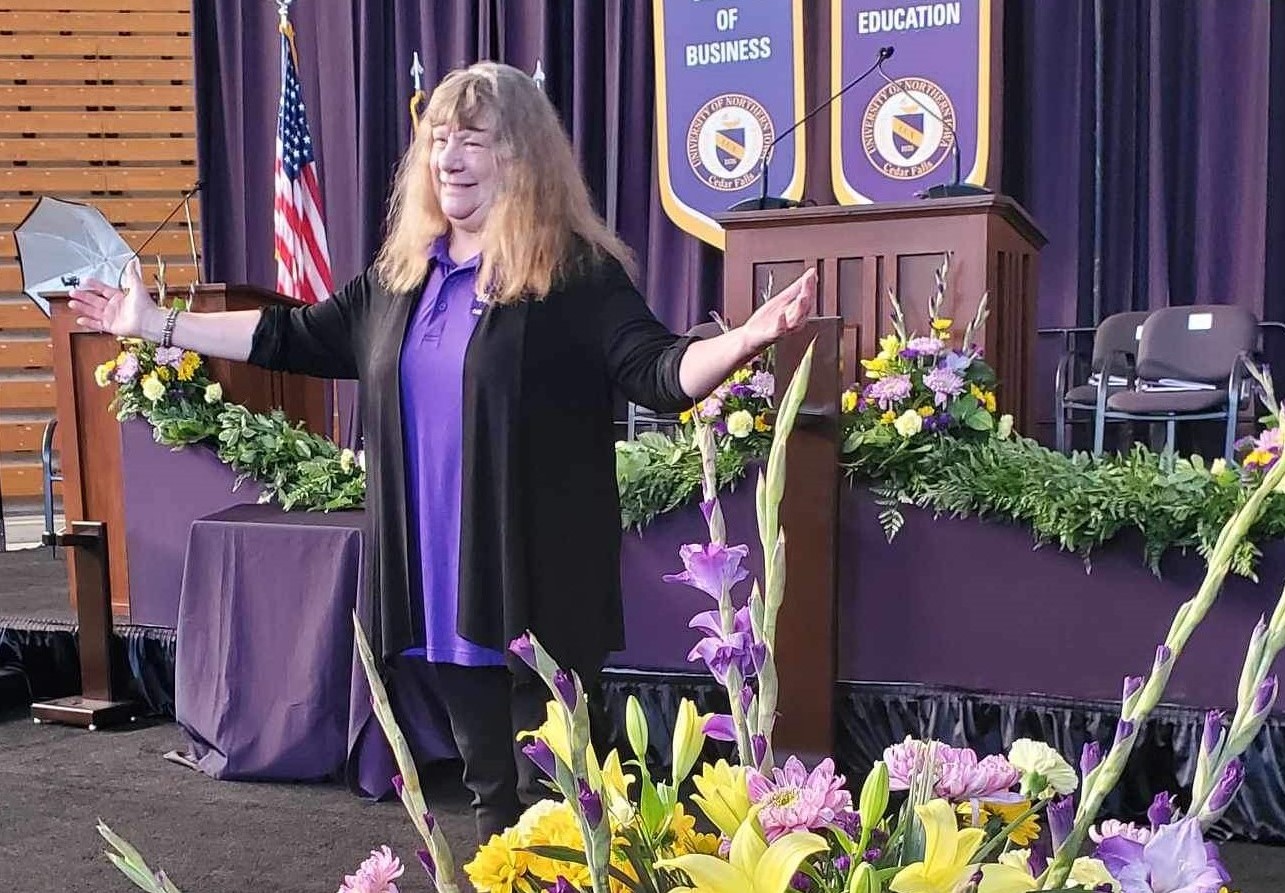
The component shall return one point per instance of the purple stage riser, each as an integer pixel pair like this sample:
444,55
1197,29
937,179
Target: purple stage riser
970,604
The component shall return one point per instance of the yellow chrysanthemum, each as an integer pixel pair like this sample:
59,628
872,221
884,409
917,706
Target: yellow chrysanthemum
188,365
102,374
848,402
888,417
499,864
942,324
683,838
761,423
925,411
722,794
557,827
162,373
685,416
741,375
875,368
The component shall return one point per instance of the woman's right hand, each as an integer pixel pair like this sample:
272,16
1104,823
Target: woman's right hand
130,313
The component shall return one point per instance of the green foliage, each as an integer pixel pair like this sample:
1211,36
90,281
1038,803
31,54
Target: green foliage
656,473
1077,502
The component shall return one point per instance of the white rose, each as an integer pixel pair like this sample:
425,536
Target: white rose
213,392
1092,874
153,388
1004,427
909,423
1043,769
740,423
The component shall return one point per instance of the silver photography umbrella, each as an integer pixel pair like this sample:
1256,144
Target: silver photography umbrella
61,244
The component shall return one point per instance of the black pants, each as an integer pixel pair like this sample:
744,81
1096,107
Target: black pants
488,706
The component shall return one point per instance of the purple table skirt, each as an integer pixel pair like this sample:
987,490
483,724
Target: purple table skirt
268,682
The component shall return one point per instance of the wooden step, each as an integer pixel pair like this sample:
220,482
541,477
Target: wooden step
80,96
97,5
166,242
179,271
27,393
21,315
26,354
97,22
120,149
79,123
81,70
24,43
23,437
143,213
19,480
67,181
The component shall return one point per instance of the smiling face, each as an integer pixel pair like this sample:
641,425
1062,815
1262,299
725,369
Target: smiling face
465,174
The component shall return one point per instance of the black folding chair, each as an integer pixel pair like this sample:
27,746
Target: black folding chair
1115,345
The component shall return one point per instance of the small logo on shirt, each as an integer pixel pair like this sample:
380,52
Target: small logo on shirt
481,302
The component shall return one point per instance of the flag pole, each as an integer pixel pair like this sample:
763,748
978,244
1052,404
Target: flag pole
418,95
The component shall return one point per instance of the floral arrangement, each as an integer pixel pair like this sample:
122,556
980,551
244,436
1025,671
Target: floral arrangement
929,818
172,389
740,407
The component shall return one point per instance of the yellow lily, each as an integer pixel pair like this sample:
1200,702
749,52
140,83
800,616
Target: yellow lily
948,853
753,866
689,739
553,732
723,795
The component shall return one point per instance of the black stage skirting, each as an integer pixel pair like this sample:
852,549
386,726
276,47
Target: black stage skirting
870,716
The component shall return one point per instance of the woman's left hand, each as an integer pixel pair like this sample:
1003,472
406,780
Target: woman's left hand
782,314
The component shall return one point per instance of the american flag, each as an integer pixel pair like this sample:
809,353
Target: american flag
299,225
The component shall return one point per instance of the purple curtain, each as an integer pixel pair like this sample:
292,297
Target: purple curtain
1192,137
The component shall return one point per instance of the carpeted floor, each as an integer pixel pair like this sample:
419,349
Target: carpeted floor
209,836
33,584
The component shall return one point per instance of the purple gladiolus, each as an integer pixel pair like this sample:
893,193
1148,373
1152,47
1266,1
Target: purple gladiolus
1123,730
800,882
747,697
524,649
562,885
398,784
1175,860
1163,809
1090,756
722,652
590,803
740,390
707,509
712,568
842,863
758,747
1213,731
430,822
565,685
1163,655
1265,695
539,753
1061,817
430,865
720,727
1131,686
1228,784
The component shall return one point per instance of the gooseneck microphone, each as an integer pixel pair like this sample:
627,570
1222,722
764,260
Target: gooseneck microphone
945,190
763,202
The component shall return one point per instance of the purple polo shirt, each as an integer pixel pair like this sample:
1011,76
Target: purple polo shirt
432,398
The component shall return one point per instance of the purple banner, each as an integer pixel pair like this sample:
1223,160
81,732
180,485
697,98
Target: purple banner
729,80
893,140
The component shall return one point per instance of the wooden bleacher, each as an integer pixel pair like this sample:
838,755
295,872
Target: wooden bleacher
97,104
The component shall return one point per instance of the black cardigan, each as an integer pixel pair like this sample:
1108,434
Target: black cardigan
540,526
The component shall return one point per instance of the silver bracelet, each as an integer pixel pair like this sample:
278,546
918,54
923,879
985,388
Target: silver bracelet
167,334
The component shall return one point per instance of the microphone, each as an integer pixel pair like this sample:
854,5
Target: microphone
762,203
945,190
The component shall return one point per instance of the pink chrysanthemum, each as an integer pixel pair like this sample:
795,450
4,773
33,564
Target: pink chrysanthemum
795,800
376,874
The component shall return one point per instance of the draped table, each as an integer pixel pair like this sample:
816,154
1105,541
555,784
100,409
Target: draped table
268,682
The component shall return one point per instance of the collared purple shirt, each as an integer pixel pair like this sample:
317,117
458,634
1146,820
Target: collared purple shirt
432,398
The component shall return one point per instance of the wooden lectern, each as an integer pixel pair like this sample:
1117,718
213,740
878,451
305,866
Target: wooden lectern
90,435
862,251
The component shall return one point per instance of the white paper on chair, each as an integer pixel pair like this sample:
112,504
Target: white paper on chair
1177,384
1115,381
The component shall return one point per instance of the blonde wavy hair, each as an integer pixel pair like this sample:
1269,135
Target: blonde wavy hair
541,205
